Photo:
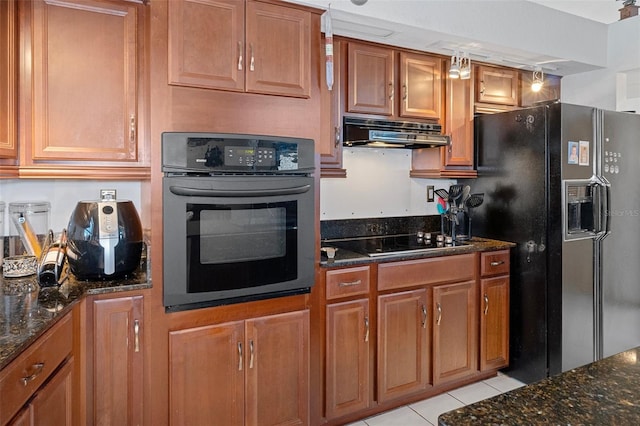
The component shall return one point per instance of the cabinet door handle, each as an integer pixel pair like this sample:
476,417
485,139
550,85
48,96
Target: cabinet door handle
252,61
35,370
132,127
486,303
497,263
482,87
391,91
251,353
350,283
239,56
366,329
424,316
439,307
337,137
240,356
136,335
404,92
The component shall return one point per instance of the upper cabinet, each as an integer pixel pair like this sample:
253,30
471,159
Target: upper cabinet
496,89
373,88
81,101
8,80
238,45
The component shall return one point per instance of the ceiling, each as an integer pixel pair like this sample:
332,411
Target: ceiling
562,36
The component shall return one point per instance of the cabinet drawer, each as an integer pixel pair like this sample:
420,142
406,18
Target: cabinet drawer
426,271
347,282
494,263
20,379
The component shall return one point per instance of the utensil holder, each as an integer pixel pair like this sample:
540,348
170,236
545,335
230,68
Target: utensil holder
29,226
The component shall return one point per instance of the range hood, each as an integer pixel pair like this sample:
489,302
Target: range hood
392,134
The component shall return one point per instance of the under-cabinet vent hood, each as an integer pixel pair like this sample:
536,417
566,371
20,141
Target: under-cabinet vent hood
392,134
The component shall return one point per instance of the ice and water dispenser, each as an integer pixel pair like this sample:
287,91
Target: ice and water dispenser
583,213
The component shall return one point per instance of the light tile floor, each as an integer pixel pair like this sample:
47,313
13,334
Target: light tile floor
426,412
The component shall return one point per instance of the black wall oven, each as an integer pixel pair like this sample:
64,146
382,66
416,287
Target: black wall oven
238,218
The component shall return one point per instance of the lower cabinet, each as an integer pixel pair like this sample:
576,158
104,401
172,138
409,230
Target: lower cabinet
117,361
455,333
494,323
347,359
255,372
403,344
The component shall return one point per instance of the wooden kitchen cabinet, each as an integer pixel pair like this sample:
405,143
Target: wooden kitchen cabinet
253,372
117,360
8,79
81,94
497,85
403,344
494,310
247,46
370,79
455,331
330,143
420,86
37,387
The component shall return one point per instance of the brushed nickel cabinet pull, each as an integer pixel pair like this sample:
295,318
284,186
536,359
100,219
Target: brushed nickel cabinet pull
366,329
486,303
336,142
35,369
240,356
350,283
391,91
424,316
482,87
251,353
497,262
439,313
404,92
132,127
239,56
252,62
136,335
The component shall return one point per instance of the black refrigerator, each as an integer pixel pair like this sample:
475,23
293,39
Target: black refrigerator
560,181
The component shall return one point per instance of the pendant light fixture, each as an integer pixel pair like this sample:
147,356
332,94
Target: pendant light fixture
538,79
454,69
465,67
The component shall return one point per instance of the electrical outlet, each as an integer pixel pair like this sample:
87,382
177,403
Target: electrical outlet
430,194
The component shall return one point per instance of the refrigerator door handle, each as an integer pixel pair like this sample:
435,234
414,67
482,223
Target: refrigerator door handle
604,201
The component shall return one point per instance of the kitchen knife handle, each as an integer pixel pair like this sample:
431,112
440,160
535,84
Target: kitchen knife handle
486,303
424,316
240,360
439,307
136,335
366,329
251,353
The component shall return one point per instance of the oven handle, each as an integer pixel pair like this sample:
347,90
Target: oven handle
193,192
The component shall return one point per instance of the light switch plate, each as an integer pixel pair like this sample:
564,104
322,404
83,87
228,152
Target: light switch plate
430,194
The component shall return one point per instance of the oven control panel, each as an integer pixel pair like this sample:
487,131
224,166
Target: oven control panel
243,156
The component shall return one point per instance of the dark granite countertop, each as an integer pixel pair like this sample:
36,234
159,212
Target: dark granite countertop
27,310
605,392
348,258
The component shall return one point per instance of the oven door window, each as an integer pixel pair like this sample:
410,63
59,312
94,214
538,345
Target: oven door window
240,245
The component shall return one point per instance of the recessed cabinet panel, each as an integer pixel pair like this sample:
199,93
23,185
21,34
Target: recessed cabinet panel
84,80
497,85
494,323
420,85
370,79
8,79
206,43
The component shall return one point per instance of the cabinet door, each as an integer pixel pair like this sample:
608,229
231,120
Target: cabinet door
497,85
455,331
347,360
8,80
330,143
206,375
371,79
278,50
84,80
494,323
421,86
277,370
403,342
118,368
206,43
459,124
53,404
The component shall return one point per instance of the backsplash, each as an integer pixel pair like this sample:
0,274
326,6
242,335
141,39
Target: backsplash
63,195
377,185
349,228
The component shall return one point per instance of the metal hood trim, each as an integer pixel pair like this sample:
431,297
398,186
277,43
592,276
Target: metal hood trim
392,134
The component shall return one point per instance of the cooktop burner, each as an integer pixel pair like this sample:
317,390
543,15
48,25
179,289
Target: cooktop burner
391,244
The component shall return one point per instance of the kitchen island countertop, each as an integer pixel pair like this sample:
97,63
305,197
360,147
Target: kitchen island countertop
603,392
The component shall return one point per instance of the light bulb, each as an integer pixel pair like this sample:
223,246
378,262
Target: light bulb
536,86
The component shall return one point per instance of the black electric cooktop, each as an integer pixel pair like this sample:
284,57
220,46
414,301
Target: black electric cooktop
391,244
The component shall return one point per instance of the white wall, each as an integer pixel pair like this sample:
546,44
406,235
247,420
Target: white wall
63,196
377,185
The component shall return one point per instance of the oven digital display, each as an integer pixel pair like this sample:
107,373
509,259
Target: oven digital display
247,156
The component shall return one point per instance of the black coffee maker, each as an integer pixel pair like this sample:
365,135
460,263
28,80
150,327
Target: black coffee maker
104,238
